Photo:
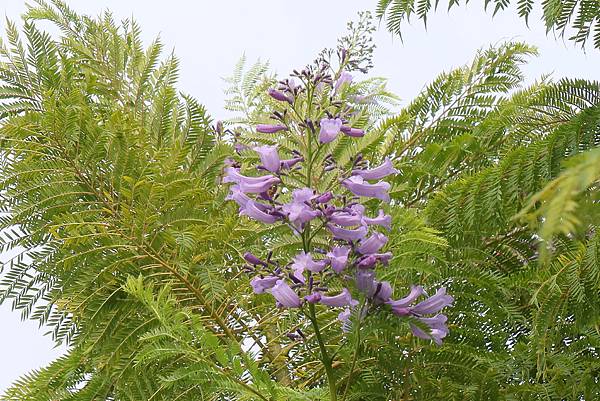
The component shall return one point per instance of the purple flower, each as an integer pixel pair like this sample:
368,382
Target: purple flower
238,196
344,316
377,173
429,306
329,210
297,275
372,244
253,260
433,304
253,211
246,184
382,292
354,132
338,257
313,298
303,195
256,188
330,128
345,78
382,219
324,198
275,94
269,157
367,262
289,163
346,234
285,296
401,306
305,261
232,174
260,285
342,299
359,187
346,218
365,281
383,258
299,213
270,128
357,208
437,328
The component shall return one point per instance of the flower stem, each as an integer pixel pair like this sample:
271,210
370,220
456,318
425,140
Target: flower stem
306,240
325,359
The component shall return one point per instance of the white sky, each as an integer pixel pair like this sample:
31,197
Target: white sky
210,36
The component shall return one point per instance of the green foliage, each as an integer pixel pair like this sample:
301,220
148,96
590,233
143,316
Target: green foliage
109,173
116,236
579,19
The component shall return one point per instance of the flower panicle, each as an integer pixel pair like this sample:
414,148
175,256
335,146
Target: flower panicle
356,246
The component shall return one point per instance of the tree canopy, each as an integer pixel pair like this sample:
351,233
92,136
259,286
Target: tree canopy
118,235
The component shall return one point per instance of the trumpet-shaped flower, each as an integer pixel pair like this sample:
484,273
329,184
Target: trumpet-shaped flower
347,234
342,299
431,305
358,186
257,188
304,261
260,285
434,303
353,132
365,281
372,244
270,128
303,195
238,196
285,296
382,293
253,260
252,210
269,157
247,184
344,316
382,219
346,218
437,328
232,174
369,261
330,128
401,306
299,213
338,257
277,95
313,298
377,173
289,163
324,198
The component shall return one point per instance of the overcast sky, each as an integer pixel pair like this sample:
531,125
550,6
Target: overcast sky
209,37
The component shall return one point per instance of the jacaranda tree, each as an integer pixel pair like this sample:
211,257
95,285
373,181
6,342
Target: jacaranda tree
324,244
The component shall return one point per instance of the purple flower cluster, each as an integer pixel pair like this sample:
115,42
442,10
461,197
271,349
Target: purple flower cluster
357,247
431,305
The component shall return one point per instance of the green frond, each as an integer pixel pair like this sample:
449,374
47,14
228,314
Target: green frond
578,19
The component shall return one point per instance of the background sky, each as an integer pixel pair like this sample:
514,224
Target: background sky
209,37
